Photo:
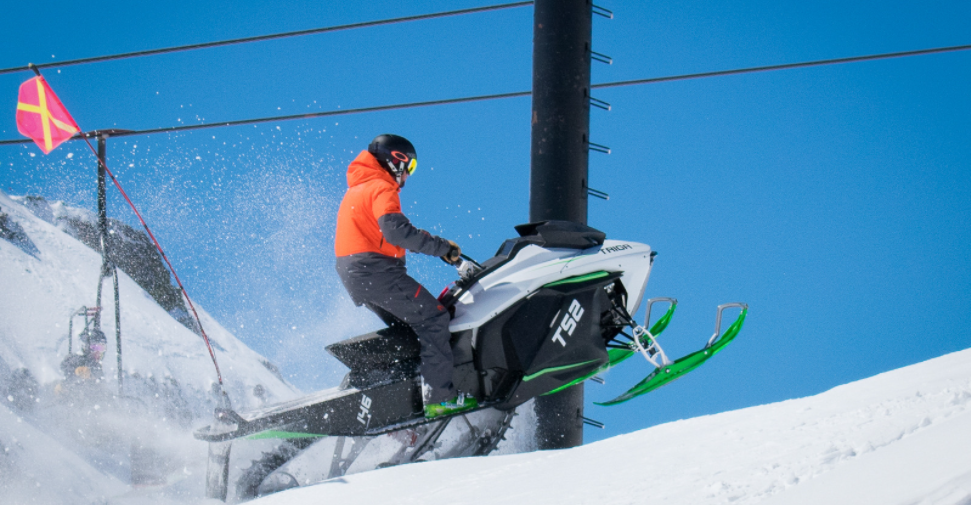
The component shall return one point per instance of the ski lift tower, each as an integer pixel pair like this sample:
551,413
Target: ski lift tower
558,163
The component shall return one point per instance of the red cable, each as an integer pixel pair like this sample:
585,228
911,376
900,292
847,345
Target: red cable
164,257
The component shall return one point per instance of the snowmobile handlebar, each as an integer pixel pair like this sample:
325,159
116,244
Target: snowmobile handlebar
470,260
468,267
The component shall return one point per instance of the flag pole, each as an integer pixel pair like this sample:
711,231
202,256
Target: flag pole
212,354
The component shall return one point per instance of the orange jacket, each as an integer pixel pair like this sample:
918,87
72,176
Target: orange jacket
372,193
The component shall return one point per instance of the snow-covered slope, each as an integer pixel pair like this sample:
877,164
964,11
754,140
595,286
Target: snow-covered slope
28,460
901,437
79,441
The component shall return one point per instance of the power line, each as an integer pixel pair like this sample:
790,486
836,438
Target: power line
269,37
343,112
481,98
784,66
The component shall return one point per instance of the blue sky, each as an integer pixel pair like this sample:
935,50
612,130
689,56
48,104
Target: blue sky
834,200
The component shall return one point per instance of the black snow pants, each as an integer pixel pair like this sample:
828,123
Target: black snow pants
381,283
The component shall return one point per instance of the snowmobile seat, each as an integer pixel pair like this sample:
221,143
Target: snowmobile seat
561,234
381,349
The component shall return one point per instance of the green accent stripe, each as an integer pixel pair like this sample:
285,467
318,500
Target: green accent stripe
579,278
555,369
281,434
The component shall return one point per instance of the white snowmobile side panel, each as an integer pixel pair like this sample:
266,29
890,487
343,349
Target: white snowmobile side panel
534,267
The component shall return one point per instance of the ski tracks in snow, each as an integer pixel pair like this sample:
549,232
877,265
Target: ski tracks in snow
784,446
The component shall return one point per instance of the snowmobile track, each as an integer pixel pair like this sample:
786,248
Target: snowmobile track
484,440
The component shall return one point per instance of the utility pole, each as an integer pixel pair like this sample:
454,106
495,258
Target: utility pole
558,163
102,224
107,267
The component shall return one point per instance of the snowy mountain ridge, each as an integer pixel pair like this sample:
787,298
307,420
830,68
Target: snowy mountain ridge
39,292
128,248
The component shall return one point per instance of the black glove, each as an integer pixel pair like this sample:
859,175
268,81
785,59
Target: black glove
454,255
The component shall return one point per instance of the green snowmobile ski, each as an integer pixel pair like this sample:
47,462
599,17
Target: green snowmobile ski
667,371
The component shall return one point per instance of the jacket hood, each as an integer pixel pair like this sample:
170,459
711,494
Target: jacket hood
366,168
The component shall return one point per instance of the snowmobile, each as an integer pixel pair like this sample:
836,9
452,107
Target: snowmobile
551,309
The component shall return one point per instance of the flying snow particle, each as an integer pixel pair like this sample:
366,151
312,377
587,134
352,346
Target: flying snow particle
32,155
70,155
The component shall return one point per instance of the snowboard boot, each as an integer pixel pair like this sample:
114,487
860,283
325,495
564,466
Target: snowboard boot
460,403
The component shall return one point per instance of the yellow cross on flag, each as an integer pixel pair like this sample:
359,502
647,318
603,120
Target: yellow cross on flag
42,117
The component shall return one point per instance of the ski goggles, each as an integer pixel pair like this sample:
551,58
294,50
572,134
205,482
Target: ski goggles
411,160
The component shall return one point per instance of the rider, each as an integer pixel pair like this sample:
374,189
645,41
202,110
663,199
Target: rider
372,235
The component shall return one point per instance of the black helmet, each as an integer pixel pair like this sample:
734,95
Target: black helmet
395,154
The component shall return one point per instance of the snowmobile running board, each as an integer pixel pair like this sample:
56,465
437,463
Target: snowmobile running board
349,412
669,371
